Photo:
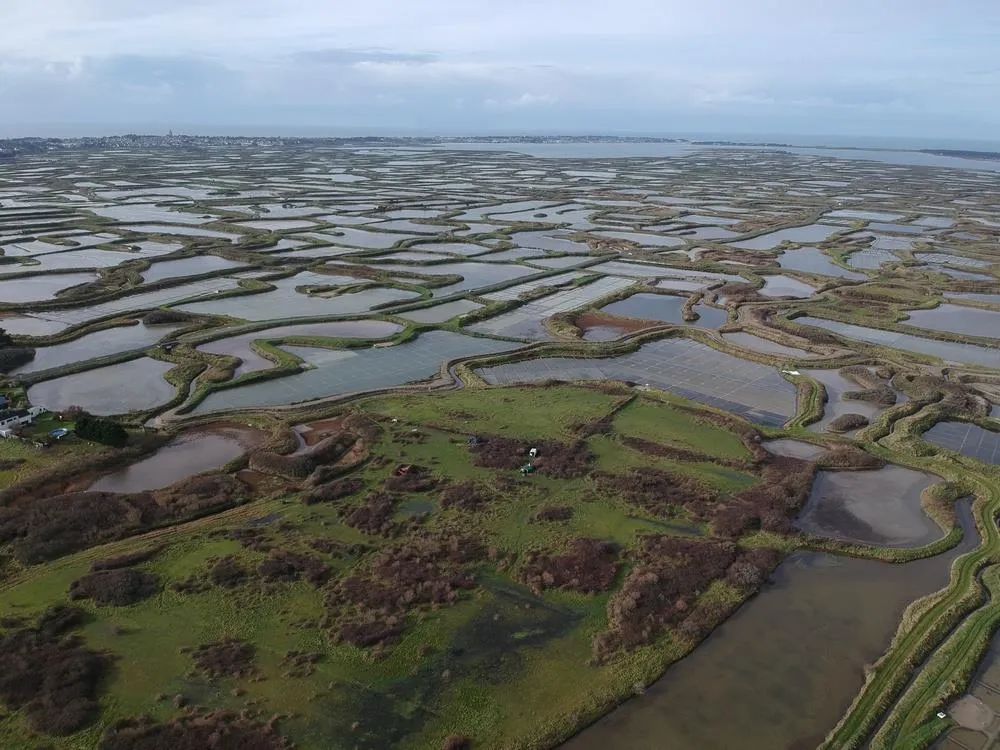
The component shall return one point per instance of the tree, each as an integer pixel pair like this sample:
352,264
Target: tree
100,430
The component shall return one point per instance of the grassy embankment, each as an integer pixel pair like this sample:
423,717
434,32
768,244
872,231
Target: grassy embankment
951,627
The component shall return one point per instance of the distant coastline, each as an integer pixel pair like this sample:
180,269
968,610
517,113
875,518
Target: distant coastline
11,147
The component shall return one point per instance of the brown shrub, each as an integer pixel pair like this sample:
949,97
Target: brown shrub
847,457
457,742
126,560
301,663
289,566
739,292
848,422
374,516
744,575
669,574
200,494
415,479
213,731
163,317
229,658
816,335
47,528
770,505
335,548
52,677
553,513
371,629
336,490
227,572
677,454
554,459
602,426
733,519
659,492
882,395
589,565
423,571
257,540
118,587
766,559
466,495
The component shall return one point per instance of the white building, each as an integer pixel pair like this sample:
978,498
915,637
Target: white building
11,420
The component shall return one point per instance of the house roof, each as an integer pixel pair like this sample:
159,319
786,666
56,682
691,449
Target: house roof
6,414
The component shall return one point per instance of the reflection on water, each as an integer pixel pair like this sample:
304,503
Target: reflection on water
183,457
780,672
957,319
665,308
873,507
946,350
115,389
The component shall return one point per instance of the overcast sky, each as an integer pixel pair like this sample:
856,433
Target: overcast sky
863,67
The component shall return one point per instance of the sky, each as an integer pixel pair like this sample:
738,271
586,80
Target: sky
908,68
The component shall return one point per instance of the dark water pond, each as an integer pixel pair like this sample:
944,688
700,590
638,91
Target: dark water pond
758,344
793,448
874,507
666,308
780,672
785,286
251,361
812,260
115,389
946,350
968,439
836,405
94,345
957,319
182,457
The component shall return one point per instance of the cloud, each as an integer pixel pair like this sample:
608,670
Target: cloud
520,102
340,57
555,64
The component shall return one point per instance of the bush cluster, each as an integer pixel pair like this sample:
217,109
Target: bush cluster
374,516
554,459
770,505
848,422
289,566
588,566
50,675
227,572
553,513
229,658
119,587
126,560
659,492
369,606
466,495
335,490
12,357
663,587
47,528
99,430
222,730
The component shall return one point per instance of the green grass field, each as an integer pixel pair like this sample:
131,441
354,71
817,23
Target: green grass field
505,665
